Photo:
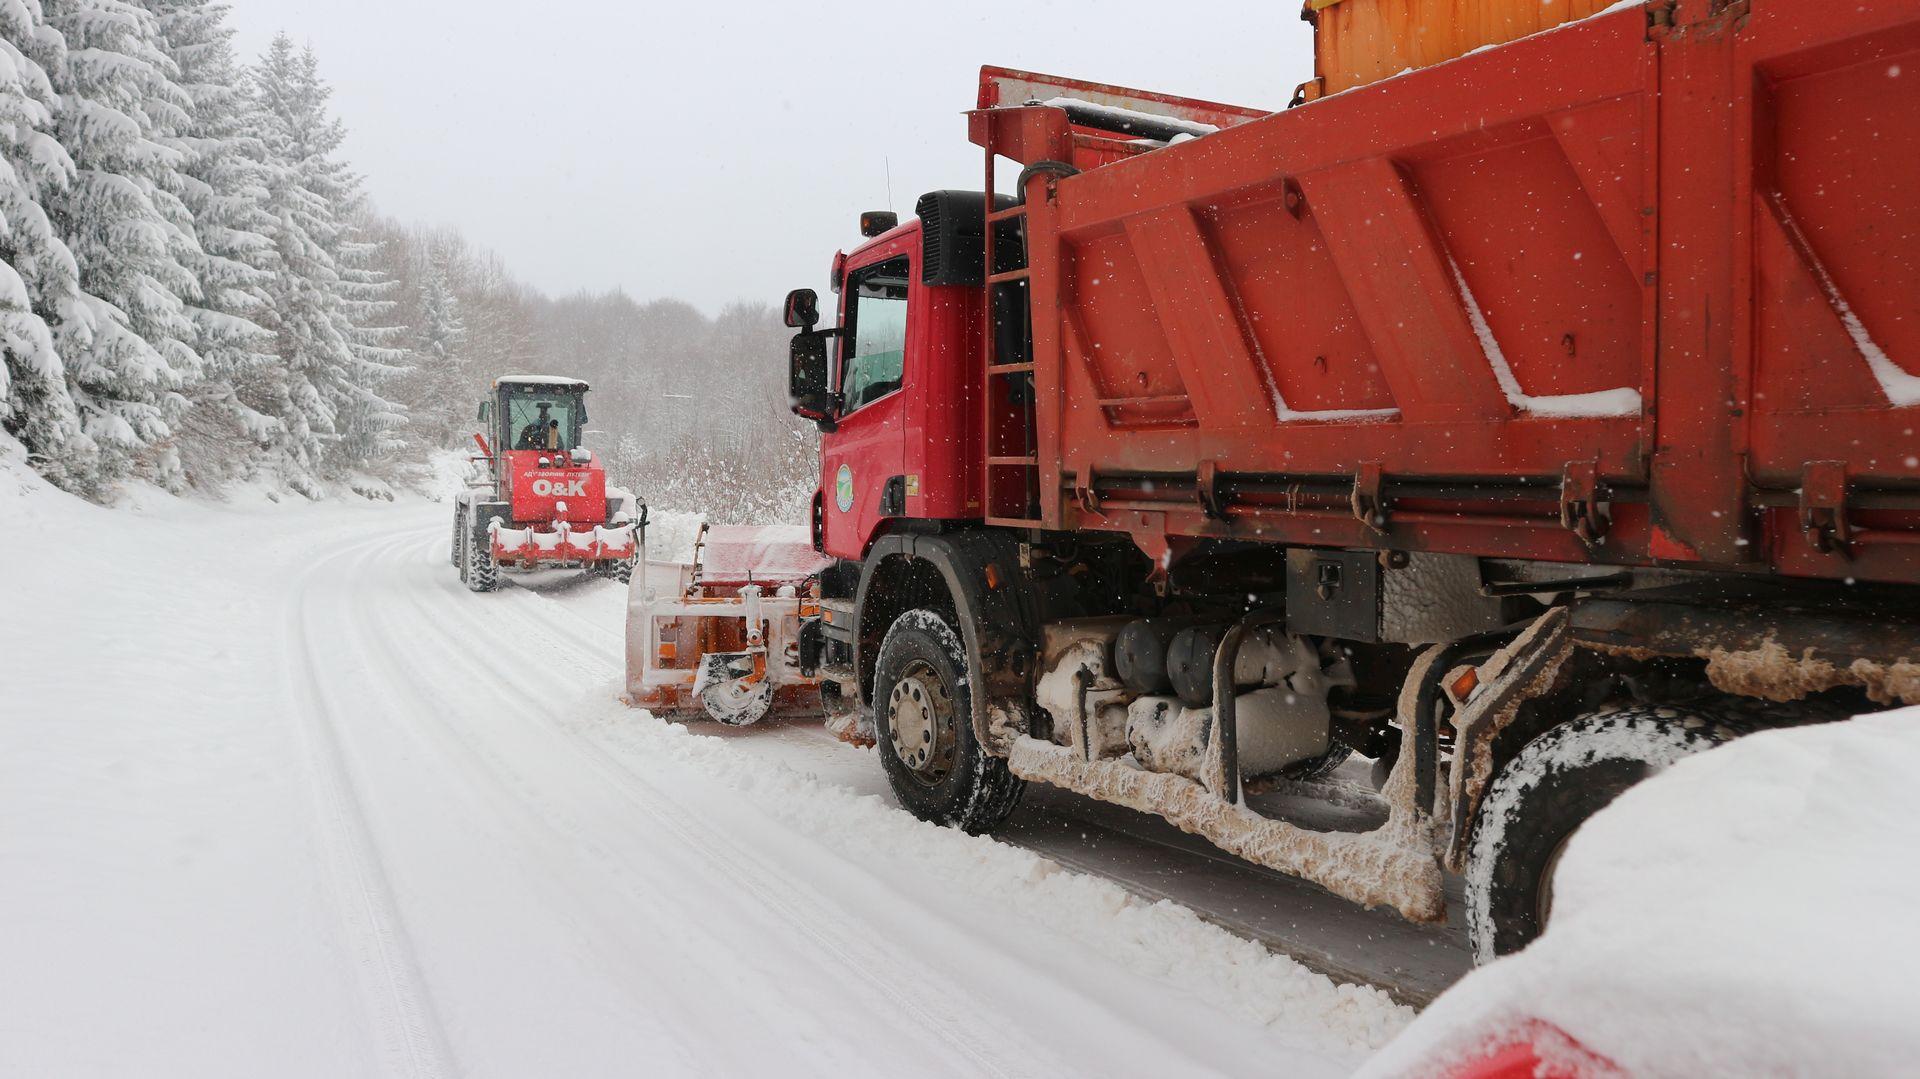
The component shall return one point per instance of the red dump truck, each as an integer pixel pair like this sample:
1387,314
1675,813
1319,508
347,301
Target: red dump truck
1523,422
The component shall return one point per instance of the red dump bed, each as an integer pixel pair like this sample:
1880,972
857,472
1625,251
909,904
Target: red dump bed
1645,287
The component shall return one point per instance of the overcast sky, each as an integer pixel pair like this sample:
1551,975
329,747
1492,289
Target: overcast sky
719,151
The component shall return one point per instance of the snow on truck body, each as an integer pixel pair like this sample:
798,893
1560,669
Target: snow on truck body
1544,392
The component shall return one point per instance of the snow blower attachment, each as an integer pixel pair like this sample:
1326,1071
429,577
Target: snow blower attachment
722,634
545,500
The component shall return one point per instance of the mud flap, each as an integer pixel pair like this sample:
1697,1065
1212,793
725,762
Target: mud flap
1521,671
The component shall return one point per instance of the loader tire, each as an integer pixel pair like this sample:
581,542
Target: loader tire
923,719
621,571
459,534
1546,792
482,572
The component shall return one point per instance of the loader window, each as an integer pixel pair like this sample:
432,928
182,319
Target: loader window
543,420
876,333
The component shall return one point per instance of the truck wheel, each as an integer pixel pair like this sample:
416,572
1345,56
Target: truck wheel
1545,793
459,533
923,712
483,573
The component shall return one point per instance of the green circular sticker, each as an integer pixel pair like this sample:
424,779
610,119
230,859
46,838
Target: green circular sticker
843,489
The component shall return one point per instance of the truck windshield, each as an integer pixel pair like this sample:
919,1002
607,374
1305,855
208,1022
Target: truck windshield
878,317
542,419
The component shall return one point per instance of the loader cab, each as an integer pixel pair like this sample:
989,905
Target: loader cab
547,414
535,423
893,384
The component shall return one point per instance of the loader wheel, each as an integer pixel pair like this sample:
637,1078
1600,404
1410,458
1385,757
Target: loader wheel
923,711
482,572
1545,793
459,533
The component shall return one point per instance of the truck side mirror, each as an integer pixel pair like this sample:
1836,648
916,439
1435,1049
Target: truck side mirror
808,384
803,308
484,410
877,222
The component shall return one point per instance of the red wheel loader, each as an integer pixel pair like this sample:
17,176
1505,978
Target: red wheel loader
545,501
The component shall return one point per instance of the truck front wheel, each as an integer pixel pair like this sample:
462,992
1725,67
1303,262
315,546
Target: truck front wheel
923,710
1545,793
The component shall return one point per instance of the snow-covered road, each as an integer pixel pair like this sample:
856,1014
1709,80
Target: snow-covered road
278,796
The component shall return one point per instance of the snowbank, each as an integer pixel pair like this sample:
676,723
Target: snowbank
1747,912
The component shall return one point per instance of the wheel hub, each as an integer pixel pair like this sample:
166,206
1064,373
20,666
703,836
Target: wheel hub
920,719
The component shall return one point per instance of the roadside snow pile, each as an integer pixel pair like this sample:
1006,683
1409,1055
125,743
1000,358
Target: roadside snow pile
1747,912
1016,892
670,534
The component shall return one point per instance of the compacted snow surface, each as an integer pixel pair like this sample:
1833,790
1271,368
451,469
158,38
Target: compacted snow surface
279,797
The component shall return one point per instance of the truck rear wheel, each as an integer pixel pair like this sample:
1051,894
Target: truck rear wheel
1545,793
923,711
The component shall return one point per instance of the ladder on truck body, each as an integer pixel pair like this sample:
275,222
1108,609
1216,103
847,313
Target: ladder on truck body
1010,482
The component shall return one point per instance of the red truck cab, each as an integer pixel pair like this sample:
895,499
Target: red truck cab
905,428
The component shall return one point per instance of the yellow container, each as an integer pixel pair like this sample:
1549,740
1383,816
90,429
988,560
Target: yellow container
1356,42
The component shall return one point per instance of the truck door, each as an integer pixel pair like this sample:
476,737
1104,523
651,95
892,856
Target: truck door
862,461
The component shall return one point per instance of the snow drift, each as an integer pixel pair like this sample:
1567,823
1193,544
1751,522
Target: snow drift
1747,912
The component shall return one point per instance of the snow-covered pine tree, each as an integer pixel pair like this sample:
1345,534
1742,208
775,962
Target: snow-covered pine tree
125,338
325,390
441,329
439,406
38,276
222,163
374,420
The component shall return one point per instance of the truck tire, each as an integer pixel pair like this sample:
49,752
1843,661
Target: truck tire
1545,793
459,533
482,572
923,712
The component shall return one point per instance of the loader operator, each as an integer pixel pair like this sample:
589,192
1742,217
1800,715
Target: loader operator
542,433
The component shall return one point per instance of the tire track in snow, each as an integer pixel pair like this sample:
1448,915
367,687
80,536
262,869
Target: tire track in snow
412,1040
797,905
